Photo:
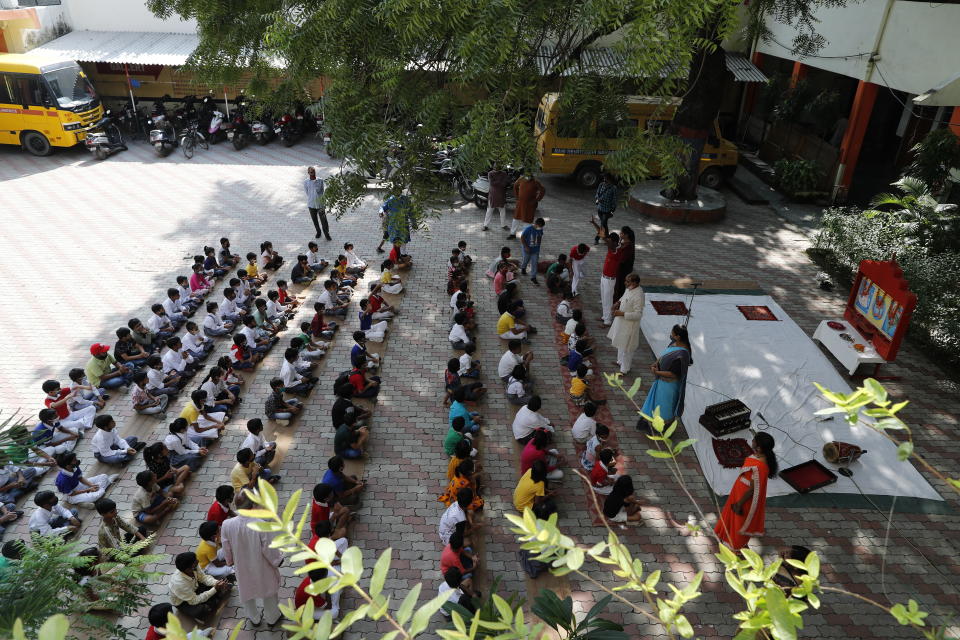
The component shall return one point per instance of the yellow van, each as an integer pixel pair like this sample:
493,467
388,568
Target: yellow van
45,103
583,159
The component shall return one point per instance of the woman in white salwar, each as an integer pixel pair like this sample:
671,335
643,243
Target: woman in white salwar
625,332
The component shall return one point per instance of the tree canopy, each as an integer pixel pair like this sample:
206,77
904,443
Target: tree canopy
404,73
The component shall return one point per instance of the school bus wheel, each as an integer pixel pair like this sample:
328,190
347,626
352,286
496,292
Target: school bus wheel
588,175
711,178
36,143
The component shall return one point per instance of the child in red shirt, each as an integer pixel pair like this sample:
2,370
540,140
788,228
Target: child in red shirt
220,510
326,508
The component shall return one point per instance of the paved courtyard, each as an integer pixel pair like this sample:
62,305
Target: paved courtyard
88,245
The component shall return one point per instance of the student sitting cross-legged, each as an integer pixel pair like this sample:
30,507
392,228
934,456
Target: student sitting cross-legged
74,486
184,451
51,518
151,502
115,531
474,390
519,389
276,407
198,346
193,592
110,448
459,338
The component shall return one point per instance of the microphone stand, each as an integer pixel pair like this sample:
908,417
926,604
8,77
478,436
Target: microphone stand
686,320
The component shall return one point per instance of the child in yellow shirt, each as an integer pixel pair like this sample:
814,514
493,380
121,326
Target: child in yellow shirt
253,272
580,388
208,552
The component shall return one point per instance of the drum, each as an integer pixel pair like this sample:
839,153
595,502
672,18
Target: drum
842,452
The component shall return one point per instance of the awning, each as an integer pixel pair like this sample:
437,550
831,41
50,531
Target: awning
131,47
945,94
607,61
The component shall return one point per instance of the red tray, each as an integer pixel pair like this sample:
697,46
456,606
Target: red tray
808,476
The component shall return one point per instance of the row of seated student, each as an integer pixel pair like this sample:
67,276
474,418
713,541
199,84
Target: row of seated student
162,483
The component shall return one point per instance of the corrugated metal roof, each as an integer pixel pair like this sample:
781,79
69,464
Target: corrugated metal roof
607,61
131,47
742,69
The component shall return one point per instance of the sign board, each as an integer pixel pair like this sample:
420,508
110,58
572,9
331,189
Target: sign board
880,305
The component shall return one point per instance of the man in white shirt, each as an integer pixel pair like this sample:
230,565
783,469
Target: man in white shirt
108,447
585,426
511,358
51,518
313,188
528,420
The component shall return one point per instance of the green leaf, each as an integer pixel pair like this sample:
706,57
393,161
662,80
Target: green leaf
684,628
349,619
380,570
54,628
421,619
905,450
634,388
784,622
653,453
291,508
406,607
352,561
876,390
683,444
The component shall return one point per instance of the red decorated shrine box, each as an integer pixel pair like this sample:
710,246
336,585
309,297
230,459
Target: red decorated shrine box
880,305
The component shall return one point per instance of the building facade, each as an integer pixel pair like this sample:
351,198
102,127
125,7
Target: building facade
878,57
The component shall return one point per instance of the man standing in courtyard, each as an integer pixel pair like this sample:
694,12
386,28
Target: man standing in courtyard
530,240
257,565
313,187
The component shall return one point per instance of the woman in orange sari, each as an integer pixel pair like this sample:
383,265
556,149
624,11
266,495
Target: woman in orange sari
463,477
744,514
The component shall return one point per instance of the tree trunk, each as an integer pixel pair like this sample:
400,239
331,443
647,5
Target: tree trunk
693,121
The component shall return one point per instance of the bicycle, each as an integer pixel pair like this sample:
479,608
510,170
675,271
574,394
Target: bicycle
190,139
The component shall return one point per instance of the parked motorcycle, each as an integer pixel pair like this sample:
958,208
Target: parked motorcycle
289,129
216,130
238,129
163,136
446,168
481,187
104,138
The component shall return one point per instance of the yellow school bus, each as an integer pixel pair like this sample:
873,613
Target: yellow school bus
45,103
563,153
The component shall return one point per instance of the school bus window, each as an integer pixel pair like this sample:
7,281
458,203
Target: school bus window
6,89
541,119
567,127
70,87
611,128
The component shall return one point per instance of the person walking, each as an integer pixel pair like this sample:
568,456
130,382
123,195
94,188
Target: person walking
625,332
313,187
496,197
606,203
577,255
256,563
530,241
528,192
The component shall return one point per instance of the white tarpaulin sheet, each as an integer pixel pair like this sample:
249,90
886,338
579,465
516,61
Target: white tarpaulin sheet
771,366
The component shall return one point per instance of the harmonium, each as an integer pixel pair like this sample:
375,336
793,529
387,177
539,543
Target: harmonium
726,417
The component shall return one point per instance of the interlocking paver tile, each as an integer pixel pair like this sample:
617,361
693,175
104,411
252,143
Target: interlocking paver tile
96,242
